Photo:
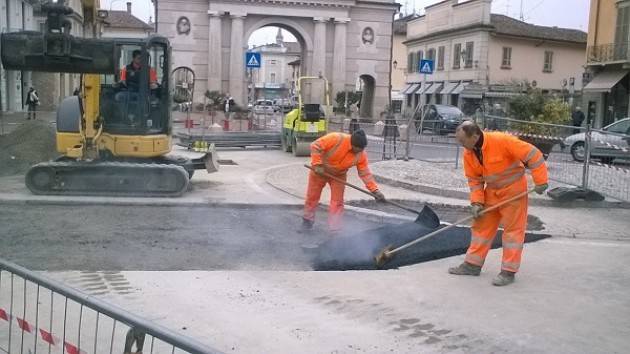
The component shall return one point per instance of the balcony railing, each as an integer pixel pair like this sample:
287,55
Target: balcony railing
608,53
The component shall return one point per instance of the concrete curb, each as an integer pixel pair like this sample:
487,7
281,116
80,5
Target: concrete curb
171,202
449,193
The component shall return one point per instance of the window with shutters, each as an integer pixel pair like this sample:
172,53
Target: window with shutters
431,54
470,50
440,59
410,59
457,52
622,30
506,62
548,67
419,56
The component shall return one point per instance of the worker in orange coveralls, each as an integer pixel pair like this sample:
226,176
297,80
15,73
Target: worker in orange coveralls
335,153
495,164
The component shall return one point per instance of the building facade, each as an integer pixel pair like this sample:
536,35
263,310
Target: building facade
123,24
482,59
399,61
607,90
342,40
274,78
15,15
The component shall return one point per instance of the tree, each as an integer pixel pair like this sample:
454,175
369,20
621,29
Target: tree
340,100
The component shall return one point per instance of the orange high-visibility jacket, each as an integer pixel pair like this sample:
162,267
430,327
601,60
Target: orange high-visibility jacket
334,151
505,158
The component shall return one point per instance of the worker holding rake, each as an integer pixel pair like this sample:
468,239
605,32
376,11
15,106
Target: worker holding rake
334,154
495,164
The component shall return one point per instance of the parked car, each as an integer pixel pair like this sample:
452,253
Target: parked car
263,107
283,105
439,118
599,149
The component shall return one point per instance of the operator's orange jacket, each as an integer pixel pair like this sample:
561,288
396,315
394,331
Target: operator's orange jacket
334,152
505,158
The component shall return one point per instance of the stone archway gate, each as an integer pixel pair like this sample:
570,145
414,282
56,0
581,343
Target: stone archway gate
342,39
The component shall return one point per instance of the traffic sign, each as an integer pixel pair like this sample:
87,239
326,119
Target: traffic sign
426,66
252,60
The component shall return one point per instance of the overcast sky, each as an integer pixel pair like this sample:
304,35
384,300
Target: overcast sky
561,13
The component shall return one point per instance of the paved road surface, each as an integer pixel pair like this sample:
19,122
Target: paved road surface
52,237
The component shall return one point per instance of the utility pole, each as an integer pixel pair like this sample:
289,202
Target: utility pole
522,16
507,8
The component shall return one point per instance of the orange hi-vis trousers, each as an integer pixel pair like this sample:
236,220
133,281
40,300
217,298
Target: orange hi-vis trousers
513,217
316,184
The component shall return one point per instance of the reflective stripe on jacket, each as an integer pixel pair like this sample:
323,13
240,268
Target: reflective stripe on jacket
334,151
505,159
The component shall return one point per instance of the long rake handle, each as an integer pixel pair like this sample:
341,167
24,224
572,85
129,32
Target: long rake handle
460,221
326,174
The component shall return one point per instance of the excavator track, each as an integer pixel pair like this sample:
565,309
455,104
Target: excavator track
107,179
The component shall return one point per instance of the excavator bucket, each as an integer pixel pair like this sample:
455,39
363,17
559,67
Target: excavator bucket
57,52
211,161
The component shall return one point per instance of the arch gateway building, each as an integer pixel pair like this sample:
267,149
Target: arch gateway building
347,41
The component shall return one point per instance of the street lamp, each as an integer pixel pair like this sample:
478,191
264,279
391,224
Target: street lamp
395,64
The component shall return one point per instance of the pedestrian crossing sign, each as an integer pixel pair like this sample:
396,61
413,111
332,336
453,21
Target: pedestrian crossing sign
252,60
426,66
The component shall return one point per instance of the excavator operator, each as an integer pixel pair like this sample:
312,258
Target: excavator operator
130,75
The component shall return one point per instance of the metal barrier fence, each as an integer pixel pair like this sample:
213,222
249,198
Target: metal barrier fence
398,137
38,314
594,159
590,158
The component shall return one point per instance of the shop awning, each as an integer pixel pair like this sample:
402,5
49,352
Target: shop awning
457,90
605,80
424,88
501,94
410,89
449,87
473,91
435,88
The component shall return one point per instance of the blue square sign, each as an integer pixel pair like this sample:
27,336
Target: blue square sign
252,60
426,66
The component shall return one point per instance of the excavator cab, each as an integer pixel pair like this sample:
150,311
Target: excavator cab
135,99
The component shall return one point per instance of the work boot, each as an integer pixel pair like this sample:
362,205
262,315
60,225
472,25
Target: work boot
504,278
465,269
307,224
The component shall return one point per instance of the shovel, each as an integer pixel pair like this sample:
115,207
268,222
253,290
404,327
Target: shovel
325,174
387,254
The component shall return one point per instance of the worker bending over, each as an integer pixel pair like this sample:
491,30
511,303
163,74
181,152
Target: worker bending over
495,164
334,154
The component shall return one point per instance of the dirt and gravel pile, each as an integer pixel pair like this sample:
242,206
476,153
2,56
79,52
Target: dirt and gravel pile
28,144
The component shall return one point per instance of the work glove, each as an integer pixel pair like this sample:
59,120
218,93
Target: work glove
319,169
475,209
541,188
380,197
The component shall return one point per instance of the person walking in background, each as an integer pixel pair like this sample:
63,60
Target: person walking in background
32,101
576,119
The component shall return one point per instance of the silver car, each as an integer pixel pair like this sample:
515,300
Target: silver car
601,150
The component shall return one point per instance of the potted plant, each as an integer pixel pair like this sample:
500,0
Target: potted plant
215,100
534,108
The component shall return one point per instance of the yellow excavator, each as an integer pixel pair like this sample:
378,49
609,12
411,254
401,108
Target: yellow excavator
115,137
